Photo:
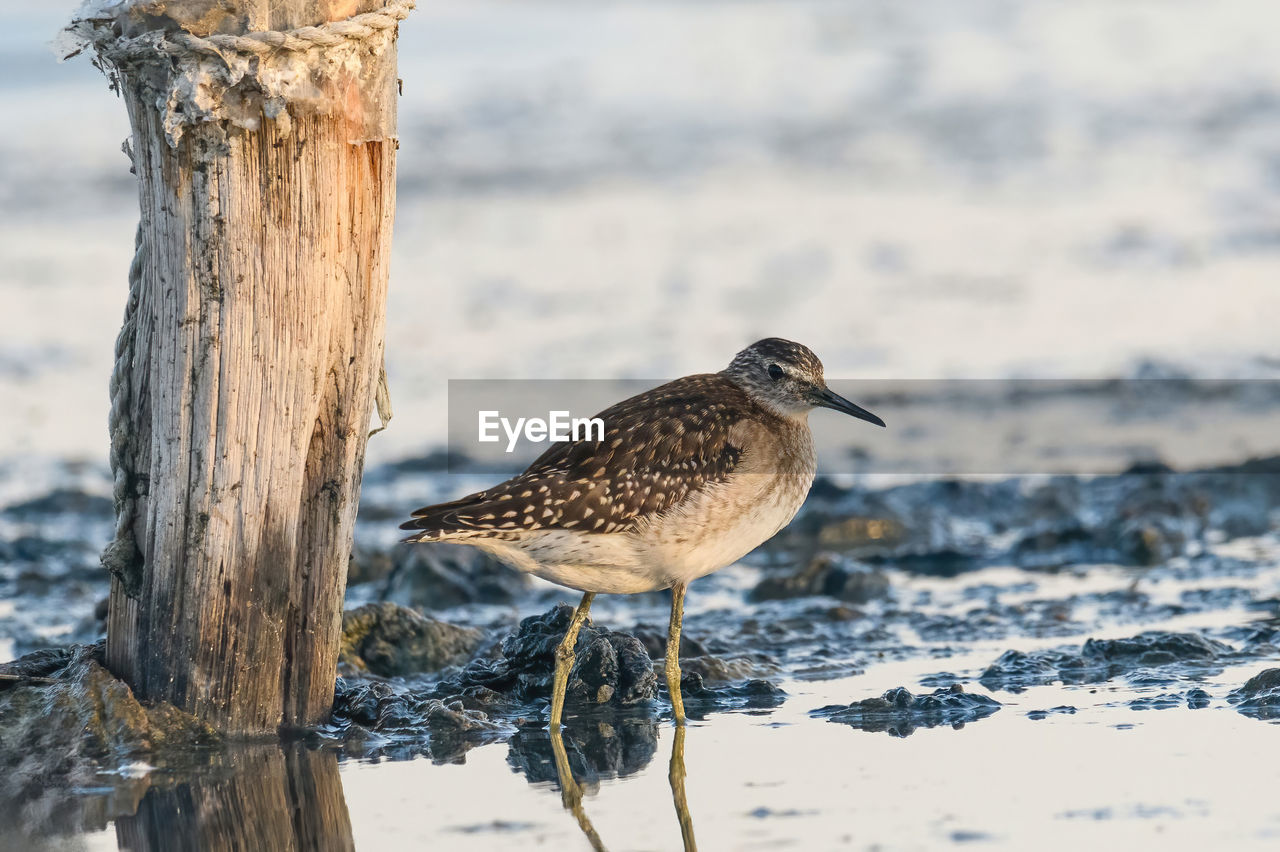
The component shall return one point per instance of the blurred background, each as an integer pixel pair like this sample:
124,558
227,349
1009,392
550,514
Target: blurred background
1067,190
928,190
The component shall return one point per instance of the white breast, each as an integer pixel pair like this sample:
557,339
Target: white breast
723,523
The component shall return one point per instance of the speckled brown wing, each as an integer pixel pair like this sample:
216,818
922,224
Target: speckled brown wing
659,447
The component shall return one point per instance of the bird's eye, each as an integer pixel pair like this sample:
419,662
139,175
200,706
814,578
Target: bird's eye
775,372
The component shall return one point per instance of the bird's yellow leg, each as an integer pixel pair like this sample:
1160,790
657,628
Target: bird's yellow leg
673,653
564,659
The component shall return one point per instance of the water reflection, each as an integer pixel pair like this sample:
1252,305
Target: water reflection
277,797
571,790
676,774
591,749
285,797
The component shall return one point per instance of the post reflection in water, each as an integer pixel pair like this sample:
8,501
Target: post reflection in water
589,750
274,797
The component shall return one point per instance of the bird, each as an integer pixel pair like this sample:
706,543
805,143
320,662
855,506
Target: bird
688,478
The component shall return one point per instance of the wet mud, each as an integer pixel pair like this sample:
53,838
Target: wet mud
1149,658
1159,590
900,713
1260,696
390,640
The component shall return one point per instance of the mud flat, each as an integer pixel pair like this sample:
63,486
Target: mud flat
921,610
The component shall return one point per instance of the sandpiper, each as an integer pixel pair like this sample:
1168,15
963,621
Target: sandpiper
690,477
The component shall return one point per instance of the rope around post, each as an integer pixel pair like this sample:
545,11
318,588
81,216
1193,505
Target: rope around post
122,557
103,34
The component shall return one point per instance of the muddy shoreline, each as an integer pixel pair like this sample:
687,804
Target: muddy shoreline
1078,582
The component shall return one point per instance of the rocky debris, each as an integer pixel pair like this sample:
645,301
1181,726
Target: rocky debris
1260,696
50,557
439,576
392,641
1100,660
62,501
1192,699
654,640
713,669
1060,710
900,713
609,668
371,717
368,564
755,693
1151,540
1155,648
1142,518
66,719
614,745
829,575
434,461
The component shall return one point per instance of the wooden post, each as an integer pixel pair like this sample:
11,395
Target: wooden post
250,356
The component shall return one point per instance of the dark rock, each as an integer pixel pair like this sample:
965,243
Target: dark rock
1062,709
755,693
63,733
1260,696
1017,668
1099,660
1155,648
825,575
1260,684
435,461
612,746
368,564
391,641
864,533
63,501
1164,701
1197,699
375,718
901,713
1150,541
714,669
1066,542
47,662
944,562
39,550
609,668
945,527
655,642
1147,467
438,576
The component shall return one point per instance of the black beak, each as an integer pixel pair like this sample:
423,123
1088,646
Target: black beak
826,398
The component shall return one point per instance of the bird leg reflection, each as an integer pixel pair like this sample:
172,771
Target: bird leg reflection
564,660
675,774
570,790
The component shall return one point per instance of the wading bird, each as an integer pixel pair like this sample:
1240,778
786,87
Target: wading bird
690,477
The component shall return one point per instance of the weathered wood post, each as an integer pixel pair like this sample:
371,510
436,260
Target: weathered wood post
249,360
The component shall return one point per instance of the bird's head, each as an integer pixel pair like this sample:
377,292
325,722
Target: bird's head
787,379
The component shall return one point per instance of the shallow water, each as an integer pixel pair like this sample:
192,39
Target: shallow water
780,778
637,189
955,190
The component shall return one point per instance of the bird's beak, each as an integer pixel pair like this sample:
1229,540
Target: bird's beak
826,398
